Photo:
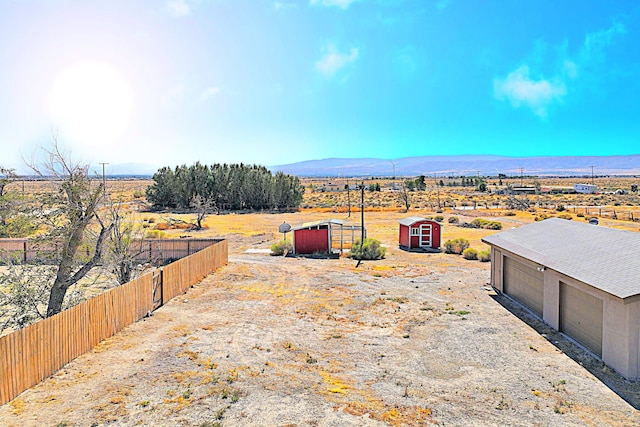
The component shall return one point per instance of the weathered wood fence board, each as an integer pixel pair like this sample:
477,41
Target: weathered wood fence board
155,251
31,354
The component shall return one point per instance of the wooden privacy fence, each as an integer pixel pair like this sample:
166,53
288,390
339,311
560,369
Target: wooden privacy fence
154,251
31,354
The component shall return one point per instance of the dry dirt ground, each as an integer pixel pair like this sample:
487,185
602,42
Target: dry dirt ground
415,339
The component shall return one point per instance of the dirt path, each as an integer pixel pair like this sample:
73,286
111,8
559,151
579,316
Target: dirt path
411,340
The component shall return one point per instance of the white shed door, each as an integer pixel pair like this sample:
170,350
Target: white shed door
581,317
425,235
524,283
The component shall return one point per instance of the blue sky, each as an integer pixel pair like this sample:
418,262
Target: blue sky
270,82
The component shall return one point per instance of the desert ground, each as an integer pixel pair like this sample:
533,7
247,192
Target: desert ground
414,339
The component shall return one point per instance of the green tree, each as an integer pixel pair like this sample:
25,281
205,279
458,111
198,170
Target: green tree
161,194
410,185
222,186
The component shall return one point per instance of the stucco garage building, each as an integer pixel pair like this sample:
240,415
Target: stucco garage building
581,279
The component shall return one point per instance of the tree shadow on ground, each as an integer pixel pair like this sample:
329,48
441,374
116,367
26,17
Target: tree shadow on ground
628,390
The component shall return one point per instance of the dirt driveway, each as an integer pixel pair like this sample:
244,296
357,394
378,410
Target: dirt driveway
414,339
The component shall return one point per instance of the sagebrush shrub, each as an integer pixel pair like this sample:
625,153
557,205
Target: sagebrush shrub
368,250
486,224
470,254
456,246
281,248
453,220
484,256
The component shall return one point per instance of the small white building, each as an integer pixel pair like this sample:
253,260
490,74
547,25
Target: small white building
585,188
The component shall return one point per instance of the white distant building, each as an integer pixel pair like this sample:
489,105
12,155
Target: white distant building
585,188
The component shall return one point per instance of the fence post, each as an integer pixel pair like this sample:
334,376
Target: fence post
24,245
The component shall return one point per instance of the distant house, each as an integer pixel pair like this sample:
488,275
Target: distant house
330,187
418,233
585,188
325,236
569,274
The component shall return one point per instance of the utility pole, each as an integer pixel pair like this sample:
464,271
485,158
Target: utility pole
521,178
348,199
435,179
592,180
104,182
362,214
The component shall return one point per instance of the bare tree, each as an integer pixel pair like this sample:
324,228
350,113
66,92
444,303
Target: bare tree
514,202
122,252
6,176
405,198
203,206
72,221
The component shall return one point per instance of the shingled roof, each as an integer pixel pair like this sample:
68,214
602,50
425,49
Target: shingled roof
605,258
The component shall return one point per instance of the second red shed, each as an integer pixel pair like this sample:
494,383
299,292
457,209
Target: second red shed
417,233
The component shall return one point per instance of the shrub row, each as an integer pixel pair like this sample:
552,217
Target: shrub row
473,254
461,246
487,224
369,250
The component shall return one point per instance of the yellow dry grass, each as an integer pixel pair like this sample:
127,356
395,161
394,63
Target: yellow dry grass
384,208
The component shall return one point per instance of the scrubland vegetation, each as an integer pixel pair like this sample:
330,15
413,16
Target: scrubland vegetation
341,339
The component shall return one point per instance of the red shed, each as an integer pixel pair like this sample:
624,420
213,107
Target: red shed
418,233
324,236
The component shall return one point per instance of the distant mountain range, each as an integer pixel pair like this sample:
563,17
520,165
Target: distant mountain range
485,165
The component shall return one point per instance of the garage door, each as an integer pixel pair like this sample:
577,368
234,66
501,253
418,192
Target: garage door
524,283
581,317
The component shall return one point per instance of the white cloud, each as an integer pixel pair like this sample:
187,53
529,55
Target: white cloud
333,61
178,8
342,4
520,89
570,68
284,6
595,43
588,63
209,92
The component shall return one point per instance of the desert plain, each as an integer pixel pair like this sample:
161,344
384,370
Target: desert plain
413,339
